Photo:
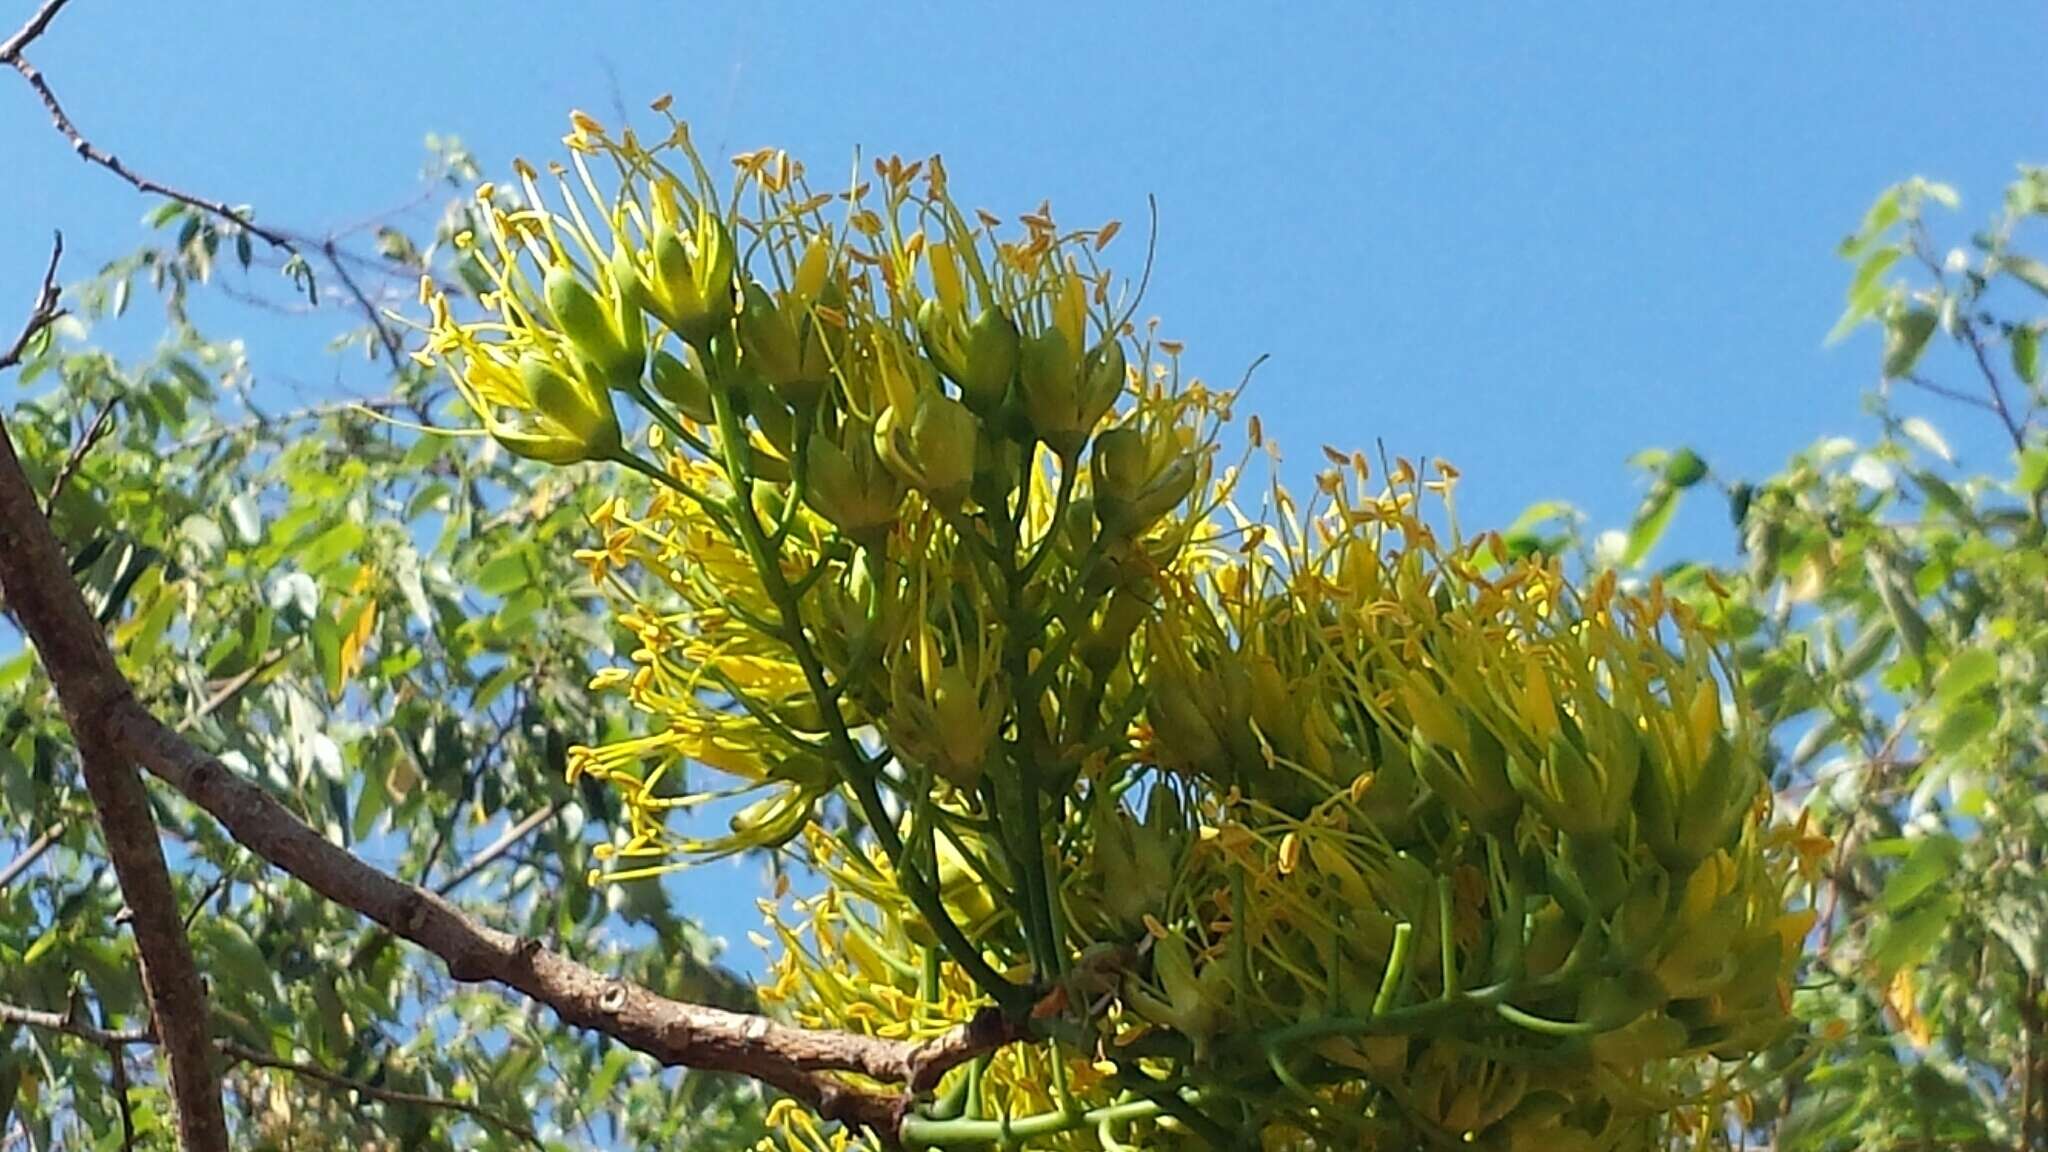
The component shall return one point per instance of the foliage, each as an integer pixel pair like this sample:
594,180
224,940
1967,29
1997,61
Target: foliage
1312,820
1891,624
387,630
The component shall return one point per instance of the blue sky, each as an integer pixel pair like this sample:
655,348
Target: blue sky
1527,238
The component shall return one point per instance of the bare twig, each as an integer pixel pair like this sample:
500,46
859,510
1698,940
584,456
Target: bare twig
102,423
46,310
300,415
11,54
1992,384
336,1080
69,1023
11,50
508,840
170,980
117,1064
30,855
115,1041
232,687
385,335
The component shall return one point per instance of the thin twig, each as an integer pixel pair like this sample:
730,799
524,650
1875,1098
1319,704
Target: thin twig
296,416
30,855
11,54
116,1040
46,310
68,1023
232,687
117,1062
503,844
1992,384
1947,393
102,423
385,335
11,50
319,1075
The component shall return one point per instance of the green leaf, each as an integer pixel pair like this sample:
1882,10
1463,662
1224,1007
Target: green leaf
1963,727
245,518
149,629
2026,354
2031,272
1933,859
2031,476
1905,338
235,959
1684,469
597,1093
1871,267
1906,941
1967,672
1651,520
504,575
331,546
1922,433
327,636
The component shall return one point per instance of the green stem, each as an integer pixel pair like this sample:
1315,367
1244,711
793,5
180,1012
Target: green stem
1543,1025
1447,943
926,1132
1397,969
854,766
1052,533
1033,746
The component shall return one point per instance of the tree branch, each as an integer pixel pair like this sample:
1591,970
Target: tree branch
11,55
30,854
170,980
69,1023
46,310
320,1075
108,721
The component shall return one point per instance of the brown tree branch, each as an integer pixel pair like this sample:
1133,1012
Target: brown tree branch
385,335
117,1080
102,423
69,1023
114,1041
30,854
477,1112
108,721
46,311
170,980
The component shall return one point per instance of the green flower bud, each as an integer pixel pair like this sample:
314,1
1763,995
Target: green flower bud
931,447
771,821
575,421
680,380
1134,487
1049,382
1104,377
785,346
997,464
849,485
966,721
591,326
1642,917
980,357
1606,1005
689,286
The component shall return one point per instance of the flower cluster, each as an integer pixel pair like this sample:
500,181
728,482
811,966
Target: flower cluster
1266,816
